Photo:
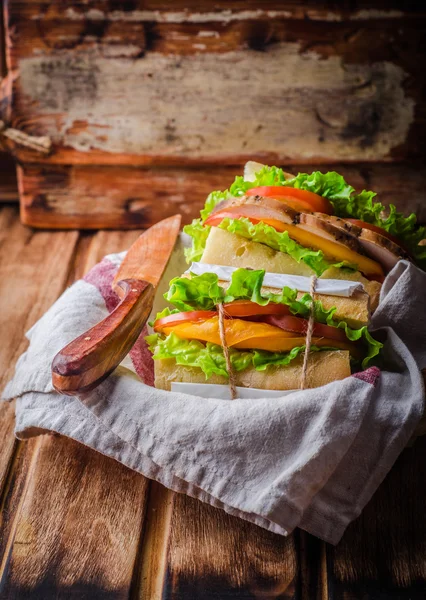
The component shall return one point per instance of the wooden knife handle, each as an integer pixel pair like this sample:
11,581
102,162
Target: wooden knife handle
89,359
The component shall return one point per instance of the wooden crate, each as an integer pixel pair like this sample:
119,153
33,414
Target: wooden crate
150,105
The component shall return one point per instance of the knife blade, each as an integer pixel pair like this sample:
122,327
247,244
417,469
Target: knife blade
86,361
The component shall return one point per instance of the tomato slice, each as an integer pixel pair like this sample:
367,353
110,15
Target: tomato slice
299,325
376,229
238,308
311,201
217,218
192,316
246,308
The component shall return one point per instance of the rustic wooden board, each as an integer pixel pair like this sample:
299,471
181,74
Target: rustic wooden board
382,554
84,196
71,518
218,84
80,536
194,551
31,278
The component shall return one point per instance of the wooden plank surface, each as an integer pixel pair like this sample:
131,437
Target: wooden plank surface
213,555
71,518
85,196
33,272
158,84
383,553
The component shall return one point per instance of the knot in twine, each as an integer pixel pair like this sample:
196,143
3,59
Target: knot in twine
308,341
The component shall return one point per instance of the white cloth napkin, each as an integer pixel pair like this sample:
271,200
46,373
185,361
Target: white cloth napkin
310,458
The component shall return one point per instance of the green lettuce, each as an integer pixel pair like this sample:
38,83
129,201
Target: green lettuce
203,292
210,359
346,204
265,234
199,234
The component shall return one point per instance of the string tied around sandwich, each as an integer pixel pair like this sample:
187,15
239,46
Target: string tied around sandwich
309,333
229,368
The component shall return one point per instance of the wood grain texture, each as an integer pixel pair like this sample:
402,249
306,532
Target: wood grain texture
60,196
71,518
29,270
382,554
80,536
216,84
214,555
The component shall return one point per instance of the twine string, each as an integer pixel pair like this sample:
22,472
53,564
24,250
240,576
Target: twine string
229,368
309,333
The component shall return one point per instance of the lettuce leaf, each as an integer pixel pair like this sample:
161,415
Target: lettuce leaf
346,204
265,234
199,234
202,292
192,353
210,359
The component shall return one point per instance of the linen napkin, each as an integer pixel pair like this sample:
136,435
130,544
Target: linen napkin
309,459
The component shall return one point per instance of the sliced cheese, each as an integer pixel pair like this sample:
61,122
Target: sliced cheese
334,250
237,331
250,335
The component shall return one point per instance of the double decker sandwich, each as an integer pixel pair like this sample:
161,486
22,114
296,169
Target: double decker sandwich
258,252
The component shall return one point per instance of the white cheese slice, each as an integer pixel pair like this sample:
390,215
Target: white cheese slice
328,287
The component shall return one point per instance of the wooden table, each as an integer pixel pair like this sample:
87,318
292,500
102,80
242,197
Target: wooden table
75,524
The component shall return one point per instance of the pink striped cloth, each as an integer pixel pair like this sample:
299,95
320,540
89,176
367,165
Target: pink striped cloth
310,459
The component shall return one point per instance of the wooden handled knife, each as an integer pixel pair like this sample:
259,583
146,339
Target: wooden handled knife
85,362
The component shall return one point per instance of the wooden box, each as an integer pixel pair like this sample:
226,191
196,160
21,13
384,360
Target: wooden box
150,105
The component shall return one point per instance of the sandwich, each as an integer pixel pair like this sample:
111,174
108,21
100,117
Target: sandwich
256,252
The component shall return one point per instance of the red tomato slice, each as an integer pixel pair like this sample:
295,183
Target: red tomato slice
299,325
313,202
245,308
193,315
376,229
238,308
217,218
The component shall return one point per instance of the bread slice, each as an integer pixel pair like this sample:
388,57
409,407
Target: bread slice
323,367
225,248
229,249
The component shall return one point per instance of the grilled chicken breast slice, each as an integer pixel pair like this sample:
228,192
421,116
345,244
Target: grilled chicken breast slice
382,249
328,230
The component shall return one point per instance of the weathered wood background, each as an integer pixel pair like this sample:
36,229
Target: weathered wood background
158,99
